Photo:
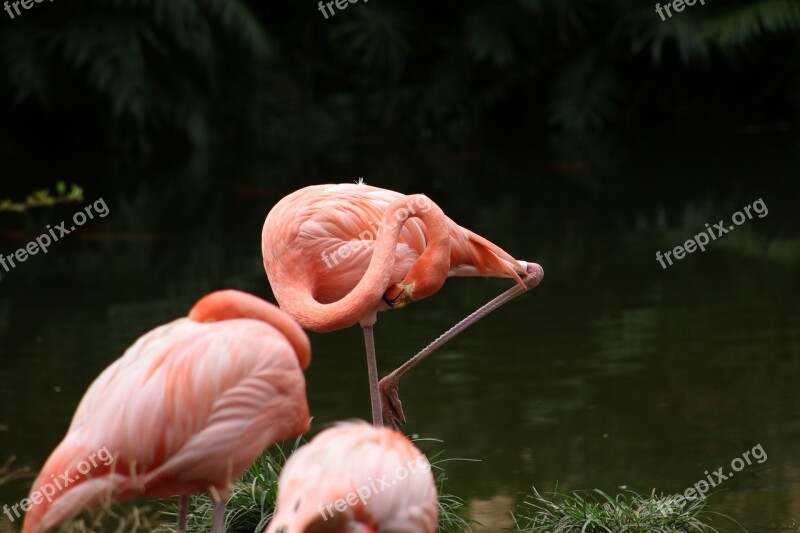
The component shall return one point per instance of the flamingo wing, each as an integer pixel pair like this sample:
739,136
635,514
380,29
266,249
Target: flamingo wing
188,407
324,235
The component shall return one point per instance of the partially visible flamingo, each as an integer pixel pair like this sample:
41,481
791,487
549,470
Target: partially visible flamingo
335,255
185,410
356,478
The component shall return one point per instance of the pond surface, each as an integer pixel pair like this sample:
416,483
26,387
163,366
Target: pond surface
615,373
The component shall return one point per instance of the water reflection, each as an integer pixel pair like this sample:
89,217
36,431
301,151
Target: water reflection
613,373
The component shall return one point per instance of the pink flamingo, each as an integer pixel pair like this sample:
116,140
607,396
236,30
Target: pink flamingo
185,410
335,255
359,478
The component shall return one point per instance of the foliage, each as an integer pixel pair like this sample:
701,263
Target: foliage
108,518
10,475
141,73
597,512
42,198
249,508
144,65
252,500
451,508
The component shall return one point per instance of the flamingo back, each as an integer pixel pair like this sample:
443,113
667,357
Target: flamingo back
355,477
187,408
321,239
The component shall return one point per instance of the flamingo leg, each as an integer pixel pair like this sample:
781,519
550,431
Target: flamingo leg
372,369
183,513
218,521
392,406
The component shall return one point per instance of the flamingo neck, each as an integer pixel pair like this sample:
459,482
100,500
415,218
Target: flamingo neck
361,303
231,304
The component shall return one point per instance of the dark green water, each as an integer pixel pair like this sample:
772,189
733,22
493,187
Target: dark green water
613,373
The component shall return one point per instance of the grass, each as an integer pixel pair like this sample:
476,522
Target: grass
252,503
597,512
249,508
451,508
116,519
10,475
252,500
106,518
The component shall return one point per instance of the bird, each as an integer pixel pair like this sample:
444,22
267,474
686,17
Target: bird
337,254
186,409
355,477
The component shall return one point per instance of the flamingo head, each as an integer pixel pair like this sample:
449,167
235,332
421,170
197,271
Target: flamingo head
399,295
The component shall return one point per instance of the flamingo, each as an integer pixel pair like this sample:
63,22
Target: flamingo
355,477
335,255
186,409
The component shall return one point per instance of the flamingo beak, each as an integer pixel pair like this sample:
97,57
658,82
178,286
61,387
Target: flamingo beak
399,295
535,274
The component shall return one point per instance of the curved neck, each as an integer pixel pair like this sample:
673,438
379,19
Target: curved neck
231,304
363,300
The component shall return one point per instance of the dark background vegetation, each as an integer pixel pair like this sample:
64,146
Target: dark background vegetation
139,77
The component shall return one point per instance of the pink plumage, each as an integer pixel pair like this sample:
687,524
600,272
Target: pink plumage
356,478
185,410
336,255
304,231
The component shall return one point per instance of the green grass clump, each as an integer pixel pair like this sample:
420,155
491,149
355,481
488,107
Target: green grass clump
451,508
43,198
109,518
597,512
249,508
252,501
10,475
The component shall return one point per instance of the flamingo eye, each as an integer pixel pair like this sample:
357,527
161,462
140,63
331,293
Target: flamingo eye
296,505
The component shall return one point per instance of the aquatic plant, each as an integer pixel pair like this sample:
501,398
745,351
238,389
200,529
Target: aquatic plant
43,198
597,512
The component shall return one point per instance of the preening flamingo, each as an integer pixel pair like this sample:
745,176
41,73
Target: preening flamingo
335,255
185,410
354,477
